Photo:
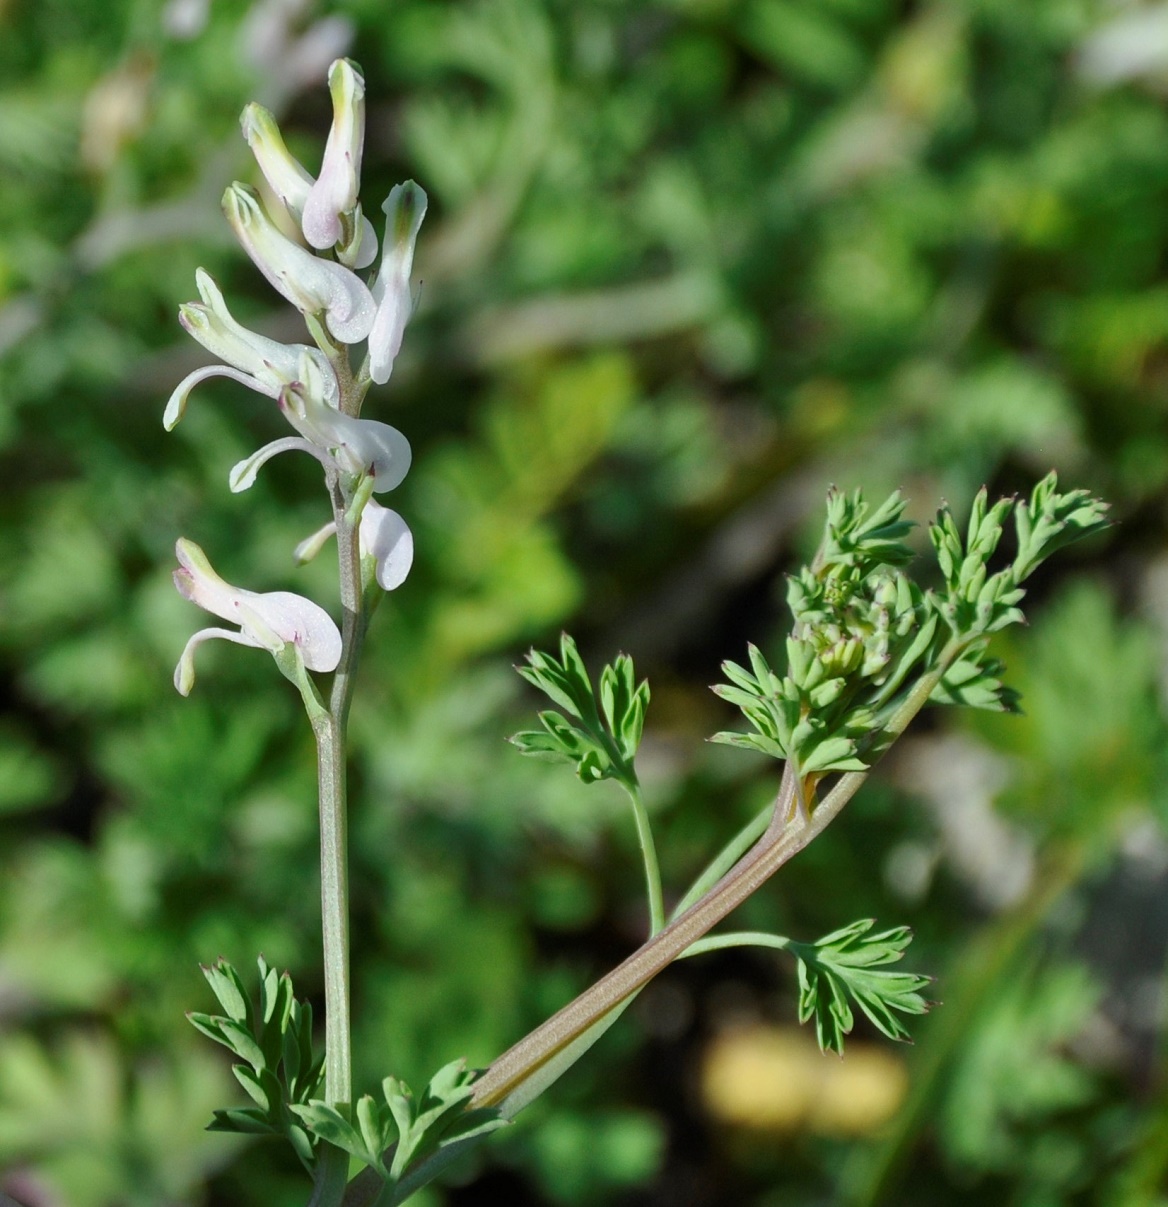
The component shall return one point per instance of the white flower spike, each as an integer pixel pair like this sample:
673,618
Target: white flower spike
405,207
257,362
270,621
311,284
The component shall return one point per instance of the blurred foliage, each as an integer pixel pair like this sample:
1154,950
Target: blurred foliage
687,262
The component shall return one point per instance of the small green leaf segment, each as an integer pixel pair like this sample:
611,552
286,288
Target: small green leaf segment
848,963
273,1039
600,743
397,1133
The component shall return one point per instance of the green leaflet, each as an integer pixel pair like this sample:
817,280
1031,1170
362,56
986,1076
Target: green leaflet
273,1035
850,965
597,748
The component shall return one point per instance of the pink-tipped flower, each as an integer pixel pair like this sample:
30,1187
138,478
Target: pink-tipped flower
335,191
257,362
270,621
405,207
312,285
360,447
383,535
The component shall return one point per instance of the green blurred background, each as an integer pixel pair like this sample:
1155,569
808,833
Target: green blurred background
686,263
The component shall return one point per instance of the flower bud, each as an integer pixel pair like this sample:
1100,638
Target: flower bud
405,207
285,175
386,537
336,188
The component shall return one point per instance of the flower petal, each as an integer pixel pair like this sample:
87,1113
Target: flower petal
335,191
177,403
405,207
362,251
386,538
311,284
293,618
197,581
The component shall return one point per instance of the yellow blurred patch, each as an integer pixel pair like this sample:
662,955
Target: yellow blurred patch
775,1079
115,112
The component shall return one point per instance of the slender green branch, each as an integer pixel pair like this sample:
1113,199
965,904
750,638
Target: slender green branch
649,855
738,938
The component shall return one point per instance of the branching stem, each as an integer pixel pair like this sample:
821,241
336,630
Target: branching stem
786,835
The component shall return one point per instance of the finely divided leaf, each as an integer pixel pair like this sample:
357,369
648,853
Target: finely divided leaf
848,966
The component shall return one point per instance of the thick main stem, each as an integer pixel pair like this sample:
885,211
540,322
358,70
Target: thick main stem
334,906
330,730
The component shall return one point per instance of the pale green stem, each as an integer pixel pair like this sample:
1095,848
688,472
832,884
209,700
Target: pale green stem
330,729
738,938
649,855
334,895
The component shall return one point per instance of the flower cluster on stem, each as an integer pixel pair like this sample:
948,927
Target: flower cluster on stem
319,392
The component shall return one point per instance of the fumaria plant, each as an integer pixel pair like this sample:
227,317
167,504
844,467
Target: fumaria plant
868,649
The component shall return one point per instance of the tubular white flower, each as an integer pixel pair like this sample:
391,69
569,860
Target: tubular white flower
267,621
285,174
311,284
358,446
335,191
255,361
405,207
383,535
354,446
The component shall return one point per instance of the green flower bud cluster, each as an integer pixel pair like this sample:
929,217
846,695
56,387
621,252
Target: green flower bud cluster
864,634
